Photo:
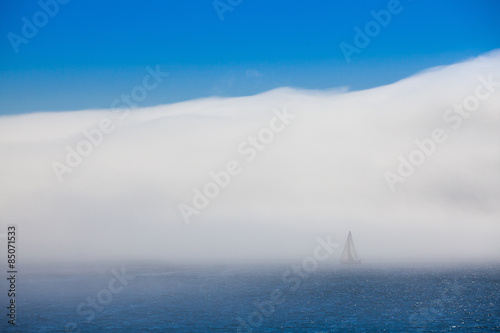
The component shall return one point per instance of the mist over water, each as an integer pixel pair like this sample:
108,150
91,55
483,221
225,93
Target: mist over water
322,175
270,298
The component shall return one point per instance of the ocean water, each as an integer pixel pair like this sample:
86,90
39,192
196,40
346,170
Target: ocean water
281,298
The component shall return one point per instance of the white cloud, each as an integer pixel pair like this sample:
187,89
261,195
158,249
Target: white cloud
323,175
253,73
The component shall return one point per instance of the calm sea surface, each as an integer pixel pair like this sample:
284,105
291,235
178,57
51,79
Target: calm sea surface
161,298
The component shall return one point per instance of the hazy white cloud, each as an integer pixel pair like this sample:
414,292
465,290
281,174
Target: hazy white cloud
323,174
253,73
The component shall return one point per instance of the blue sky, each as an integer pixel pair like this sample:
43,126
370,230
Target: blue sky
90,52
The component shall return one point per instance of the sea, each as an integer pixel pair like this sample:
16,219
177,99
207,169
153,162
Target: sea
153,297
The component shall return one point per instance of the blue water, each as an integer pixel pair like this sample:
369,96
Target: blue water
163,298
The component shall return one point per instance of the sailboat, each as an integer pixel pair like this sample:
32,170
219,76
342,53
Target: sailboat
349,255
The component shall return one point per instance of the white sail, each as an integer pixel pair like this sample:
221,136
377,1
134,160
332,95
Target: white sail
349,254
